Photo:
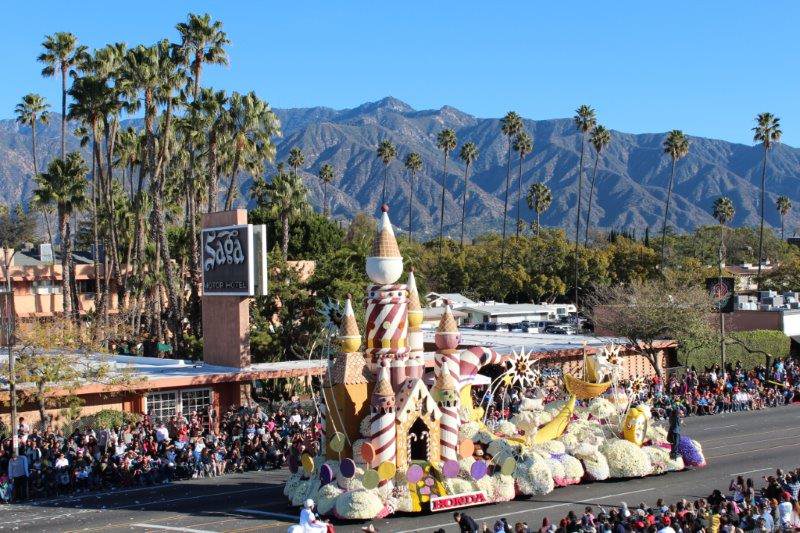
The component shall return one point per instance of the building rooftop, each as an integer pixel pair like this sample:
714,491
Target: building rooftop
507,309
505,341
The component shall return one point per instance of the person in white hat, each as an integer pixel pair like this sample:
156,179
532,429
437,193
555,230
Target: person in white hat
309,522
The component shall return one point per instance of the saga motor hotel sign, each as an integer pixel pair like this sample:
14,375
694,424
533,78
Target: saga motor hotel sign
234,261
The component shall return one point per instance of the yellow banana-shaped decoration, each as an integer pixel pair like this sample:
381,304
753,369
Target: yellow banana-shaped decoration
557,426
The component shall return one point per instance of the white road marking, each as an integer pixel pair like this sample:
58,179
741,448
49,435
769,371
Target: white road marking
171,528
720,427
531,510
751,471
293,518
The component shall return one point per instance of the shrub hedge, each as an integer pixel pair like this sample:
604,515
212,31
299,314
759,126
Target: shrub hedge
773,342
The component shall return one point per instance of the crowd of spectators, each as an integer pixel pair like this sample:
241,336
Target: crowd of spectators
695,392
772,507
150,452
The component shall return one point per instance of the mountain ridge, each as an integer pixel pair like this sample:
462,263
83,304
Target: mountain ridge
631,183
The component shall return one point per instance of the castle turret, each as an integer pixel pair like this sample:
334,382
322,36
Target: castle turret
449,406
447,339
349,336
415,367
387,316
382,419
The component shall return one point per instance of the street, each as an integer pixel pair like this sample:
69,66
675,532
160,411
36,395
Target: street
752,444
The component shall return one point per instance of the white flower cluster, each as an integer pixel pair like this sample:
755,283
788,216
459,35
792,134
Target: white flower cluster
359,505
625,459
533,476
326,498
602,409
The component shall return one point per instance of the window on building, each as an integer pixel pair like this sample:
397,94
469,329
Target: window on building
195,400
85,286
162,405
46,286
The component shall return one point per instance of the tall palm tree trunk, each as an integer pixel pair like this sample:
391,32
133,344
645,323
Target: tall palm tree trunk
63,111
578,216
33,148
411,208
232,185
66,251
591,197
285,243
505,206
464,202
761,229
666,217
538,224
325,198
383,189
441,209
519,192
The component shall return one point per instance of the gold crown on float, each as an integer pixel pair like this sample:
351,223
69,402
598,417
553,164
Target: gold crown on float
448,323
385,243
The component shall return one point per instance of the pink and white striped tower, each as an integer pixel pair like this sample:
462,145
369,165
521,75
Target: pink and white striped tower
387,302
415,367
382,419
449,406
447,339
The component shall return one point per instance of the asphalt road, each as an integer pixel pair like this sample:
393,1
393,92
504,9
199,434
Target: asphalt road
751,444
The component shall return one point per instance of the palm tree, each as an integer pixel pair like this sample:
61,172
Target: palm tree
213,106
766,131
585,121
523,145
326,175
286,200
251,127
64,185
446,142
539,199
413,164
784,205
386,152
510,125
468,154
676,145
296,159
61,54
202,41
599,138
32,109
723,212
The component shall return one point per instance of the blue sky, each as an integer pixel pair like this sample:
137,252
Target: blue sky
707,67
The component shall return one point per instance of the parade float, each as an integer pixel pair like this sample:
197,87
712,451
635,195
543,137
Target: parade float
399,438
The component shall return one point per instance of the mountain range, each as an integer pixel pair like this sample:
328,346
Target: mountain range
631,186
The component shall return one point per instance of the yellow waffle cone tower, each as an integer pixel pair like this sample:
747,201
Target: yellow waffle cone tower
349,336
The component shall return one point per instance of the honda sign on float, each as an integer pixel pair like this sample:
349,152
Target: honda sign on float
443,503
228,261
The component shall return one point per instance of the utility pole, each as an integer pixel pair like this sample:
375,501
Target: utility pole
719,303
7,323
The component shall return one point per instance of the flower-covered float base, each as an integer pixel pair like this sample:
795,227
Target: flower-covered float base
496,464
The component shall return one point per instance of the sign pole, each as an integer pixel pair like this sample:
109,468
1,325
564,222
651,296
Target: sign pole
7,319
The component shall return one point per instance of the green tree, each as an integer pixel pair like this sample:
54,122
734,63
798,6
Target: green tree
585,120
413,164
64,185
296,159
523,145
539,199
61,55
767,131
784,205
31,110
510,125
676,146
446,142
468,155
202,42
386,152
326,175
287,199
600,137
646,313
251,126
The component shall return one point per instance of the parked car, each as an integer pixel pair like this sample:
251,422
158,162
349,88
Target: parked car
486,326
560,330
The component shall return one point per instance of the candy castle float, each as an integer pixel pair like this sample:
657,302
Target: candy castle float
400,439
